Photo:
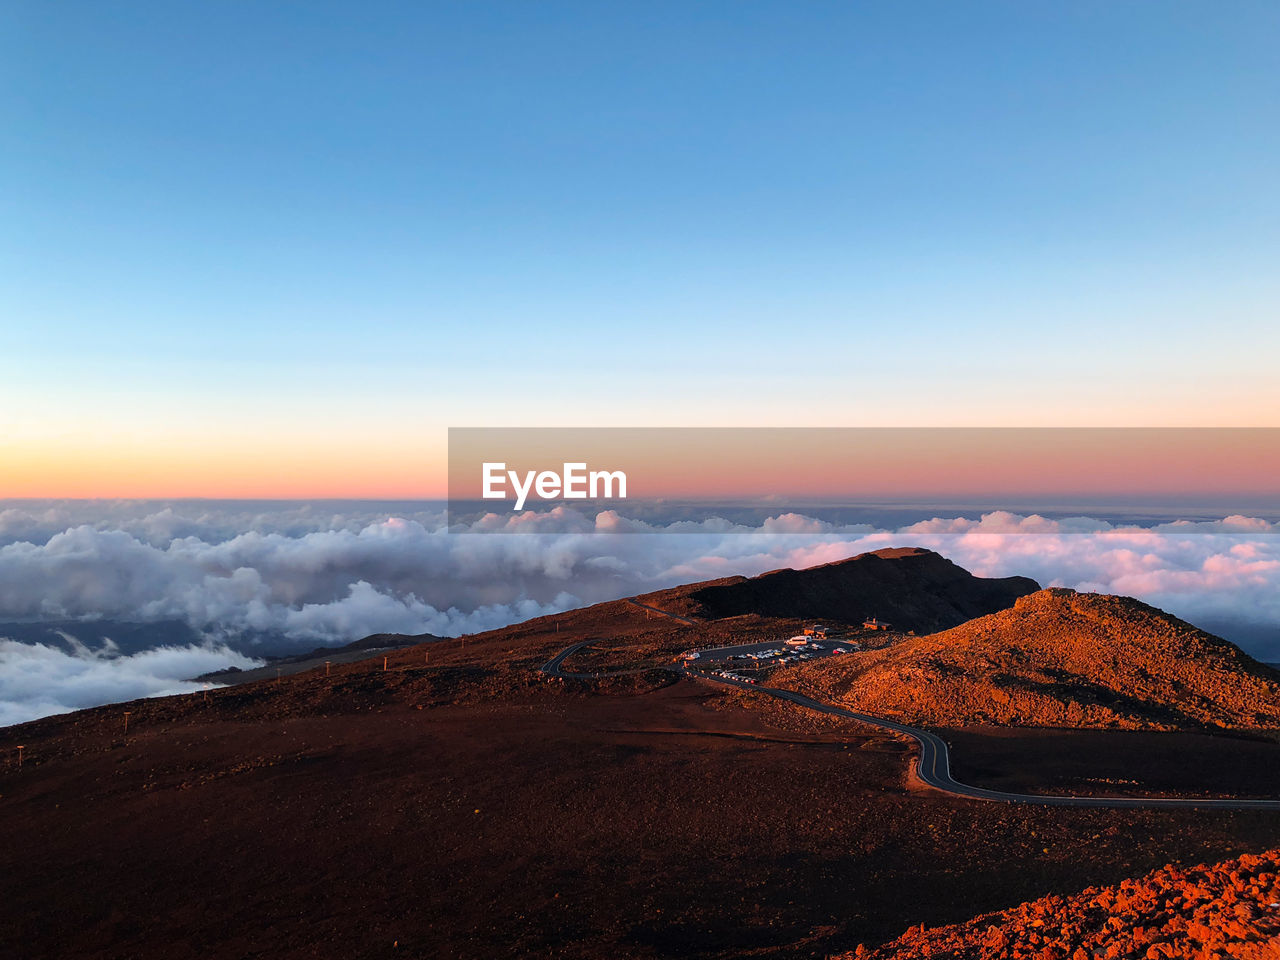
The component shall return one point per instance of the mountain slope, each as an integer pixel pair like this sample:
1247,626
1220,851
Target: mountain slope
1059,658
911,588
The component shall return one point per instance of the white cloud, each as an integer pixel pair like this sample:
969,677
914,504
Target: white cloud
38,679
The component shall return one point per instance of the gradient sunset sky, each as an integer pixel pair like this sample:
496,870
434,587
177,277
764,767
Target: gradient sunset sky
278,249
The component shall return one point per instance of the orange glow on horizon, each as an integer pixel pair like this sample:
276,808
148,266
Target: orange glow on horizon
744,464
296,472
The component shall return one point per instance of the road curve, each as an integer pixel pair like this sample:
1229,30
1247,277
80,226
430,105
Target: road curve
553,667
933,766
666,613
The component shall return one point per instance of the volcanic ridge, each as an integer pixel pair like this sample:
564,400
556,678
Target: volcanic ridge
1058,658
912,588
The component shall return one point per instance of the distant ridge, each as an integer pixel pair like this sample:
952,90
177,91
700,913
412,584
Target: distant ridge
300,662
909,587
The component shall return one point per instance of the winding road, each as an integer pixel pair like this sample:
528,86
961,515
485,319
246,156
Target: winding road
552,667
933,767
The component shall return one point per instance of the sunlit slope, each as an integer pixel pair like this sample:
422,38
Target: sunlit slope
1058,658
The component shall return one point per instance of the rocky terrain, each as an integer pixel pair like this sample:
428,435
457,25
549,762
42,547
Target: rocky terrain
1223,911
1058,658
467,807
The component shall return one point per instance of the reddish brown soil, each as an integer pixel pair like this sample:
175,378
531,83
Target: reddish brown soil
1117,762
459,804
1058,659
338,817
1224,911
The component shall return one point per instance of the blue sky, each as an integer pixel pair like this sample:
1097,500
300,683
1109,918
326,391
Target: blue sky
243,225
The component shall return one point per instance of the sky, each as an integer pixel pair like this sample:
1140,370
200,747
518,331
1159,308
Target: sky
276,250
1223,469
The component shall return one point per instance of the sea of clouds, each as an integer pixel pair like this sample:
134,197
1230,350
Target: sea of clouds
255,578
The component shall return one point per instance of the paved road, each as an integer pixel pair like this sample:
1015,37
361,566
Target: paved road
933,766
644,606
552,667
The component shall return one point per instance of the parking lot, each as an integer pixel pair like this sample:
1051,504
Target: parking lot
747,661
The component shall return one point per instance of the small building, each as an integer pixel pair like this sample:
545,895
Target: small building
874,624
817,630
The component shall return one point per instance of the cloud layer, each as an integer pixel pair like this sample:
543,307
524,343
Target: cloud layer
304,575
38,679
